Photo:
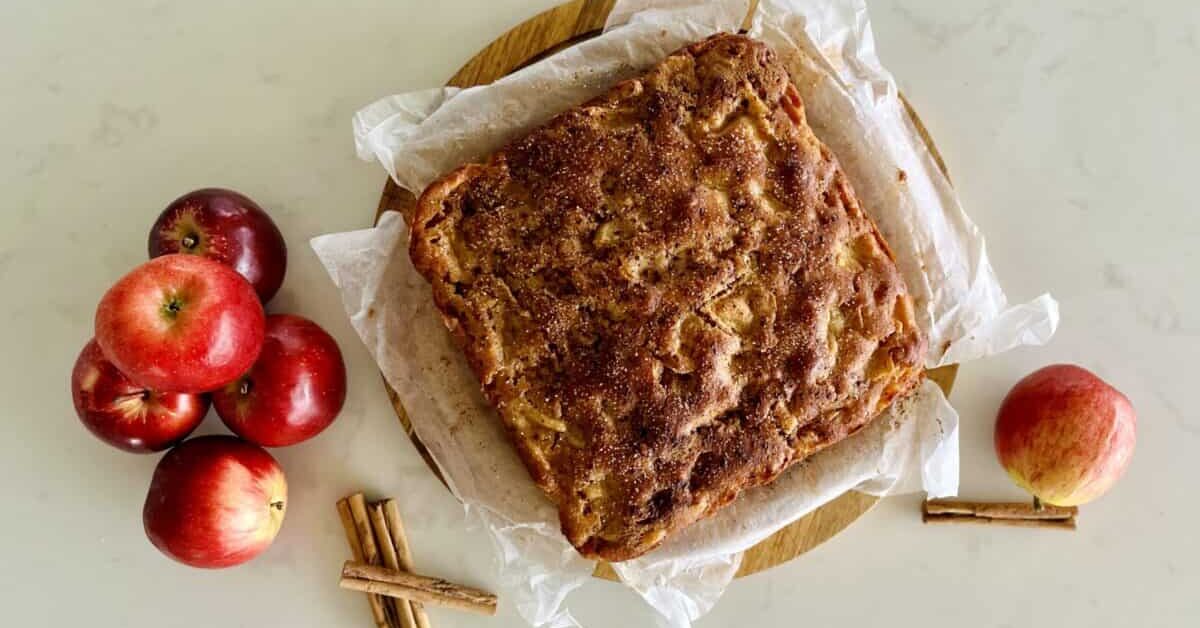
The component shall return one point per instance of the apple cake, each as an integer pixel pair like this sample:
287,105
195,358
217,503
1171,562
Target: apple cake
669,294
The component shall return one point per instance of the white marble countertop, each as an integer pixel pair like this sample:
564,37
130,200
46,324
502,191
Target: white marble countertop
1071,132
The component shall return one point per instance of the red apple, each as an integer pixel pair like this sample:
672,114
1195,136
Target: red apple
227,227
215,501
1065,435
295,389
181,323
128,416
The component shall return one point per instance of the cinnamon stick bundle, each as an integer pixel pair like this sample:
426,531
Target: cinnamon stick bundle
1020,514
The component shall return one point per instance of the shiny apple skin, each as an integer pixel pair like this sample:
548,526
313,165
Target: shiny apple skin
293,392
127,416
227,227
214,502
1065,435
181,323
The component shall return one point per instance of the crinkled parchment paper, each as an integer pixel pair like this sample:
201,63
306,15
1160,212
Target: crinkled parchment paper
853,106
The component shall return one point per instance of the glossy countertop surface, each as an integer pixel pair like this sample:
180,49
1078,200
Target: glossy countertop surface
1071,132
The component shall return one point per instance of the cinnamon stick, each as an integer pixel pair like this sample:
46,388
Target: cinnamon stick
391,512
356,550
1020,514
387,551
999,510
358,576
1062,524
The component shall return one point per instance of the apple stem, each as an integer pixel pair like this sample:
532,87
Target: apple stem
189,241
1037,504
244,388
277,505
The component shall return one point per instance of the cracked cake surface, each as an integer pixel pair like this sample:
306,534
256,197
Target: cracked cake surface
669,293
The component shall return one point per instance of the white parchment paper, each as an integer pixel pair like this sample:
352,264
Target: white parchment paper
853,106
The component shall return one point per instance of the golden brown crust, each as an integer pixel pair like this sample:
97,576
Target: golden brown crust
670,294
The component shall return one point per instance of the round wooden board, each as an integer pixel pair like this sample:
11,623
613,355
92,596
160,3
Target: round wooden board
528,42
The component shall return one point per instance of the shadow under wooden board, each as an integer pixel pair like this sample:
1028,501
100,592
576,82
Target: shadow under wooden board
531,41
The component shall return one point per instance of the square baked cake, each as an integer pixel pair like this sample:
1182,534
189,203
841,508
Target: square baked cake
669,294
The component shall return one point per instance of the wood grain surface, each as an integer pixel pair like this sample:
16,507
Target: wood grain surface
530,41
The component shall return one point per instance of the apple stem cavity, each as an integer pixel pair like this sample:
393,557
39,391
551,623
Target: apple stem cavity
277,505
132,397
